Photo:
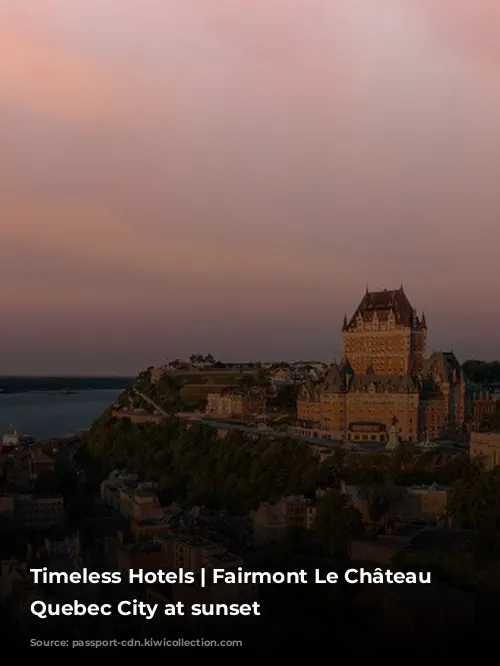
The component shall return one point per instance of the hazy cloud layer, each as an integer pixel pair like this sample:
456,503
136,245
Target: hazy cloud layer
221,176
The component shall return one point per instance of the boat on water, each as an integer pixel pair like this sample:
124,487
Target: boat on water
68,391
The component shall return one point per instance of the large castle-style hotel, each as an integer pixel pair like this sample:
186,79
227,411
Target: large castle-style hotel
385,382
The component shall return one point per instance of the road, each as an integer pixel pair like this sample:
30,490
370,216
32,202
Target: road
153,404
248,430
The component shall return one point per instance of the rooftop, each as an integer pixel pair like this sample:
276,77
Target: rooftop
152,522
225,557
144,494
135,549
417,596
444,541
382,303
196,542
165,538
425,488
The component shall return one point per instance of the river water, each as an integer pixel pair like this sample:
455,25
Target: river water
43,415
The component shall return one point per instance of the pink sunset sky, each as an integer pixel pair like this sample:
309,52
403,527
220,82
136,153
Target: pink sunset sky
183,176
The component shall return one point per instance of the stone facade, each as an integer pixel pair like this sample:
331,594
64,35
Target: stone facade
485,447
233,403
384,381
386,334
483,405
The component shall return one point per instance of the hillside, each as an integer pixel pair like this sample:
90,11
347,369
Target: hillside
183,389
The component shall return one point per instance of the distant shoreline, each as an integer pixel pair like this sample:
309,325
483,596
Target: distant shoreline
57,391
62,385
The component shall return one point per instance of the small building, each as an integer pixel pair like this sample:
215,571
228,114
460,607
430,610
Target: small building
485,447
271,522
12,437
483,405
230,403
40,462
39,513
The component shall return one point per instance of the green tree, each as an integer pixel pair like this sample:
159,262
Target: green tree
381,499
337,523
474,500
47,482
191,463
246,381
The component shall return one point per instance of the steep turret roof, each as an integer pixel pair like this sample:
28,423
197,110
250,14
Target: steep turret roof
384,383
333,381
444,365
382,303
345,367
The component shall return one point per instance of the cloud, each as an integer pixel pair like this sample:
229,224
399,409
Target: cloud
209,166
469,28
90,240
56,83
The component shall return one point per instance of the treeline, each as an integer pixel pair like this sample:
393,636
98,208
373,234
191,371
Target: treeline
169,392
25,384
166,392
193,465
482,372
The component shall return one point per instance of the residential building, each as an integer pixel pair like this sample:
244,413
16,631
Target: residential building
146,529
425,503
223,560
322,452
192,553
379,550
282,375
300,511
232,403
174,552
417,503
135,504
7,505
146,555
271,522
194,594
483,404
39,513
485,446
39,462
121,487
141,504
425,619
443,377
17,592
